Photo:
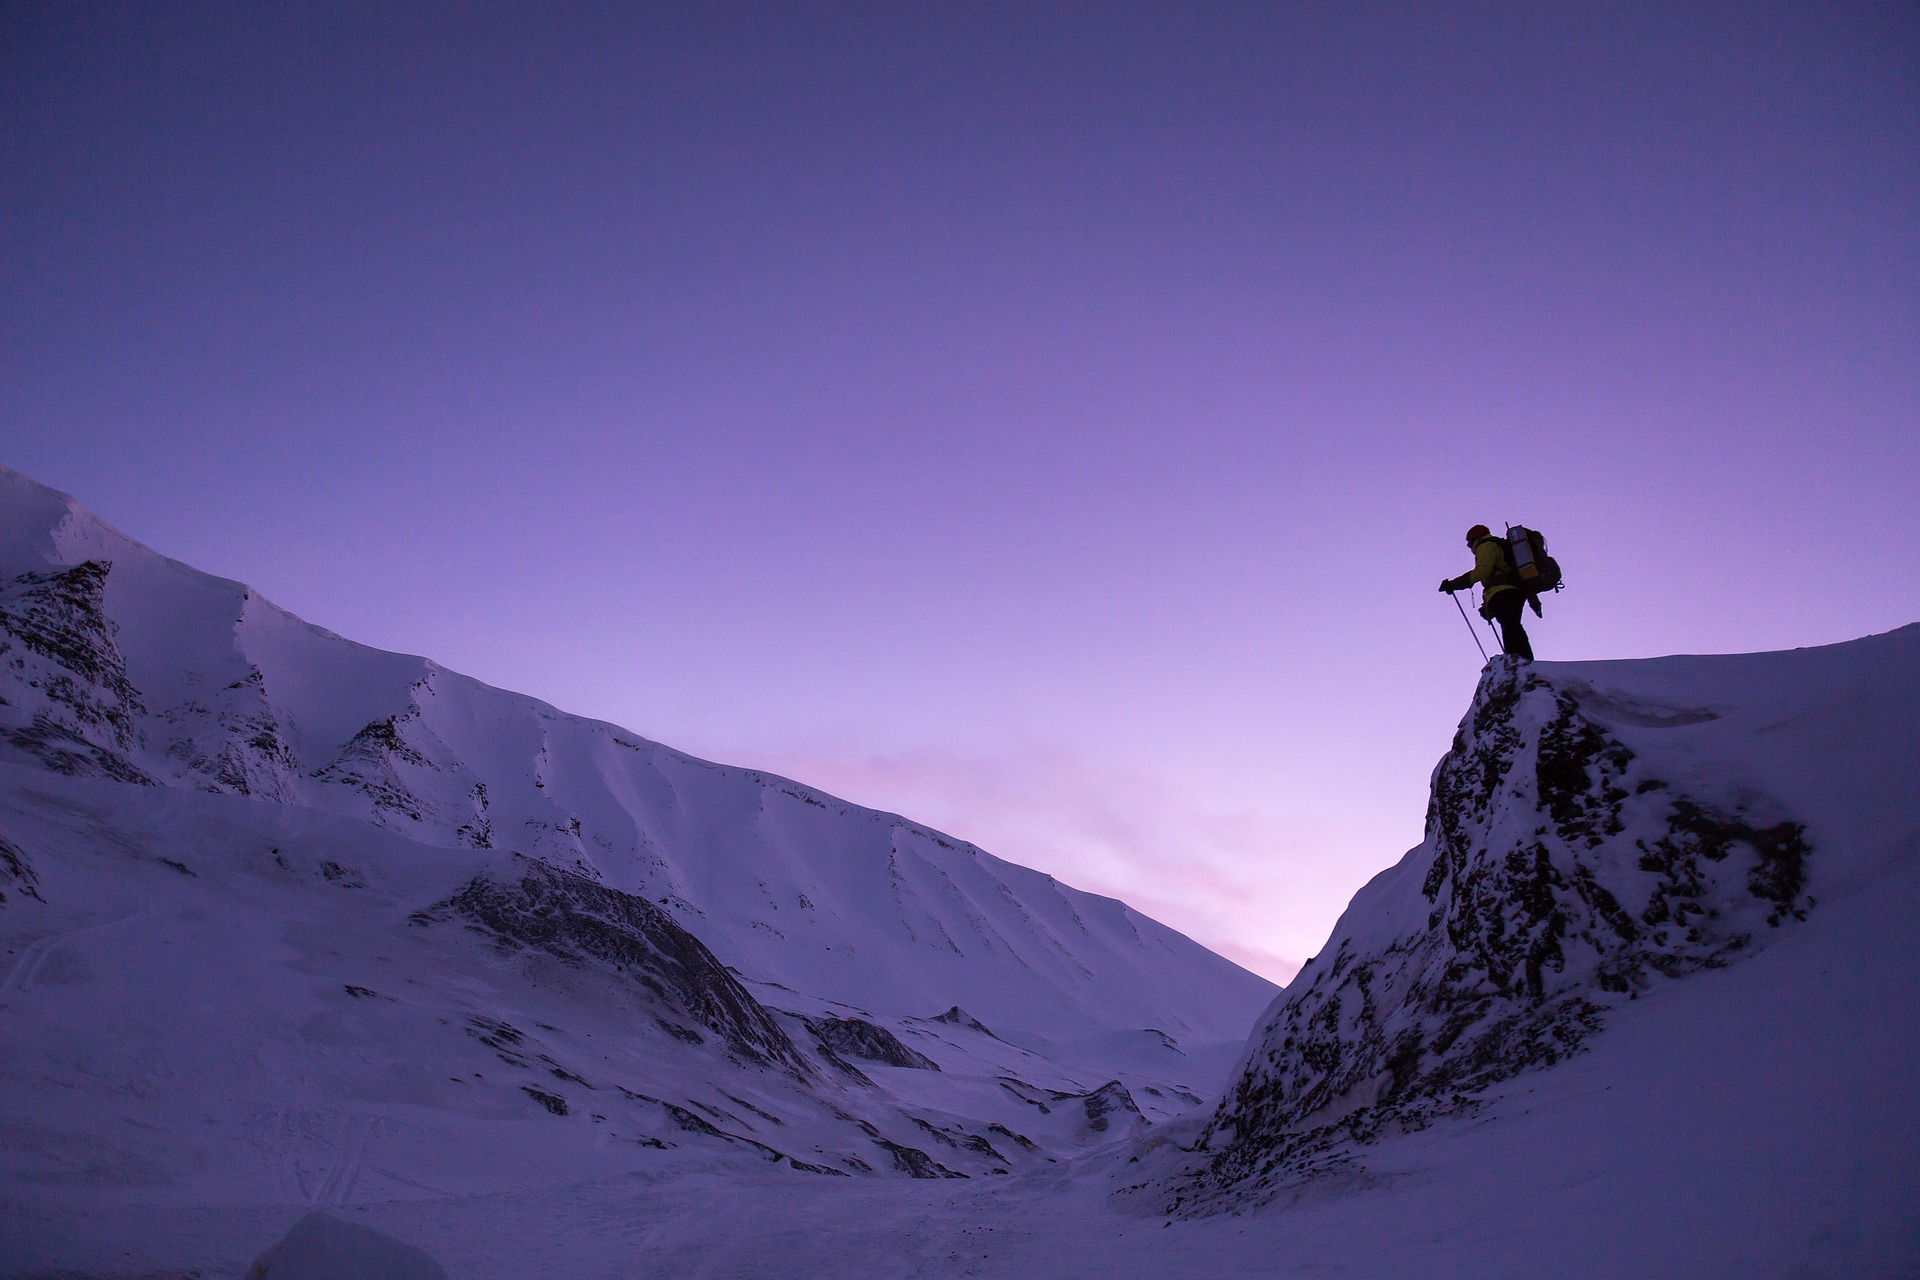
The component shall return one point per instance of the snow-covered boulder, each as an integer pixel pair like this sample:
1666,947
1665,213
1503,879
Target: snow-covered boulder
322,1247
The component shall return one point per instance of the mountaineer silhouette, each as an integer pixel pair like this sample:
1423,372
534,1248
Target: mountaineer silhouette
1512,572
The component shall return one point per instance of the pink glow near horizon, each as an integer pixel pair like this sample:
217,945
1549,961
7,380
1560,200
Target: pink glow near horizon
1048,423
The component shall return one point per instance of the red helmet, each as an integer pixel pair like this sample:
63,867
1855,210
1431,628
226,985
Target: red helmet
1478,532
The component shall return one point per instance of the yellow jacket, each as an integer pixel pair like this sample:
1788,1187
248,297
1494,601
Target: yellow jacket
1489,562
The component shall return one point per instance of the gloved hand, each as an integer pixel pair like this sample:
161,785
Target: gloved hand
1446,585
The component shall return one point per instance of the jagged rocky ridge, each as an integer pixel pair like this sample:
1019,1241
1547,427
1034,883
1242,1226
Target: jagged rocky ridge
586,924
55,639
15,868
858,1038
1561,876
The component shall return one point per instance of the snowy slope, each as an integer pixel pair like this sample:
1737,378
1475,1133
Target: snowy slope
211,1001
288,921
130,666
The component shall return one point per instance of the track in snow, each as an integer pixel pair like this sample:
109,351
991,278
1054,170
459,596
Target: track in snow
321,1154
27,965
21,974
344,1176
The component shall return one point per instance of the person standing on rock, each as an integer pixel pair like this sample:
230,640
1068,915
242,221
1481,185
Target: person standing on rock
1501,599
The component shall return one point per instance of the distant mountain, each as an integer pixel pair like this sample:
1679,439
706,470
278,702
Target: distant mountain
388,930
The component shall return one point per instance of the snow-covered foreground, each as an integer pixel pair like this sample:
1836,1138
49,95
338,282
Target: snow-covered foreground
1753,1122
290,925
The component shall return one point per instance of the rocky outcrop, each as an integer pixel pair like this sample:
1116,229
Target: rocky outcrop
1560,876
914,1162
70,704
958,1017
234,740
583,923
1111,1104
380,762
17,872
858,1038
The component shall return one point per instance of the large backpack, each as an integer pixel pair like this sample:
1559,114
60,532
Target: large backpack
1529,567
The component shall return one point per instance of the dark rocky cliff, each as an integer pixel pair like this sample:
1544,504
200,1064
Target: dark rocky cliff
583,923
1561,875
71,706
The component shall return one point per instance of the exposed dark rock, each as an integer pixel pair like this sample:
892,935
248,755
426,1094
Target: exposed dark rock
62,750
857,1038
841,1065
915,1162
980,1146
935,1132
16,870
494,1033
57,646
1545,910
956,1016
478,832
1018,1139
1110,1101
588,924
1165,1040
551,1101
744,1105
367,762
692,1123
561,1073
960,1140
237,743
1034,1096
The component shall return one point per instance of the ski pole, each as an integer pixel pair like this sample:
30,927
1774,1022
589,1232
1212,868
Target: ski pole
1470,631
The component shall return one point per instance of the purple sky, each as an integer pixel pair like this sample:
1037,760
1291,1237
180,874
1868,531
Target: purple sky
1047,421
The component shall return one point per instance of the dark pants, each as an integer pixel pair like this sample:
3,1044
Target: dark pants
1505,609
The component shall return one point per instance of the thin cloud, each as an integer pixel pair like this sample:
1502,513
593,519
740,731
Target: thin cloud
1252,886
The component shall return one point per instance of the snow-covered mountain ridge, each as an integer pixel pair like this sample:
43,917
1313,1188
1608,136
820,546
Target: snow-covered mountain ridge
1596,833
389,931
125,665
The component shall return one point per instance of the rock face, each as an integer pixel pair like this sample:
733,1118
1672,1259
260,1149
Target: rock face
1110,1103
17,871
583,923
858,1038
1560,876
71,705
